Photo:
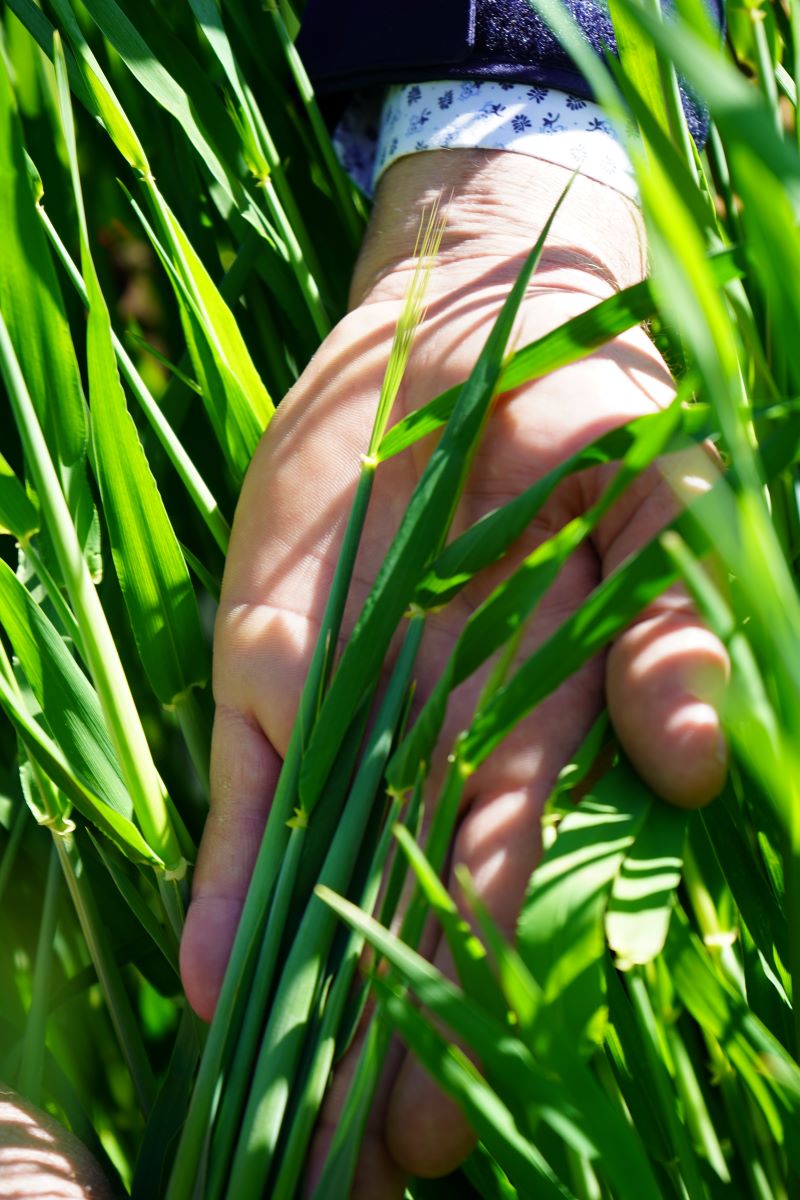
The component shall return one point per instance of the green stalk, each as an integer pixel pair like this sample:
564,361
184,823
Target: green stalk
247,942
237,1080
766,71
681,1144
791,867
31,1069
285,806
119,1006
292,1006
583,1179
673,104
721,170
280,928
340,1165
280,202
12,846
698,1117
295,258
794,16
103,660
332,1007
337,1173
194,483
772,1155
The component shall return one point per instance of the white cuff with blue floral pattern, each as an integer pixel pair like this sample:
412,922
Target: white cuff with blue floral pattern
539,121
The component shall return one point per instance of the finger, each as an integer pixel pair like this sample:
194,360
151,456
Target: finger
666,674
244,773
499,843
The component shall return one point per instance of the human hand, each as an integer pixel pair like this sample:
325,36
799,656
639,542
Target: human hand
38,1157
660,677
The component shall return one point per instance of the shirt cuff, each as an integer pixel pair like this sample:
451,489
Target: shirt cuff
541,122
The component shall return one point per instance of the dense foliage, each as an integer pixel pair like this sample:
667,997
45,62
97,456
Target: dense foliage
177,238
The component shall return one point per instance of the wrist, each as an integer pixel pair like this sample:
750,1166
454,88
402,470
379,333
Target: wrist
497,204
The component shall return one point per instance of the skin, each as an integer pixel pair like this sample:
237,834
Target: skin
660,679
39,1158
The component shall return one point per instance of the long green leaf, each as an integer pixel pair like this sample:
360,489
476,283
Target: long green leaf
68,702
522,1162
772,1077
640,907
17,514
574,340
48,755
235,398
193,103
33,310
152,572
576,1108
560,931
504,612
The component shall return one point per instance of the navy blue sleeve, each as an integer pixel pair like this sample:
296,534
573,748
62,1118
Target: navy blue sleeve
351,44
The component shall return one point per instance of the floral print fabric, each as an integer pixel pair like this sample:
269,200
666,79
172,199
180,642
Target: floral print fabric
539,121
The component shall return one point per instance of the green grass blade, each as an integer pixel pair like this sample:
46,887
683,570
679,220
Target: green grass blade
522,992
33,19
580,1113
487,1177
11,848
235,398
526,1168
116,997
744,117
31,1069
155,1156
33,312
195,485
766,1069
609,609
332,1037
193,103
69,704
469,956
105,103
566,903
48,756
267,167
574,340
637,444
143,914
640,906
682,1147
152,573
291,1008
351,205
18,515
109,678
504,612
728,829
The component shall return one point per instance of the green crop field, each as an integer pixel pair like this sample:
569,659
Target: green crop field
176,240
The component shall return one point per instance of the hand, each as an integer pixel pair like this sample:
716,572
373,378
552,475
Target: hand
660,677
38,1157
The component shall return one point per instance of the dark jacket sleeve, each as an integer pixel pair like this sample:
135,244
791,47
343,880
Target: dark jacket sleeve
351,44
